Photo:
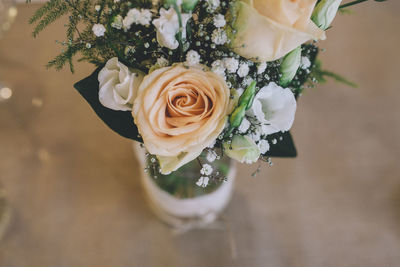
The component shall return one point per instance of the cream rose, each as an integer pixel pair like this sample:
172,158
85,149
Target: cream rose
179,111
266,30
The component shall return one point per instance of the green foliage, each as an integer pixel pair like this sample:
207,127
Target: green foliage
80,39
319,75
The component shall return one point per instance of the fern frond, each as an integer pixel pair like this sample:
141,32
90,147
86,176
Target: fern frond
51,16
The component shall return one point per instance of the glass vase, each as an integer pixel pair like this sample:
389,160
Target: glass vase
182,199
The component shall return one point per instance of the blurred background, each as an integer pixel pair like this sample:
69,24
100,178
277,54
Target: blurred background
73,185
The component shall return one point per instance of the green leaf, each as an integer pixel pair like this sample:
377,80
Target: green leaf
120,122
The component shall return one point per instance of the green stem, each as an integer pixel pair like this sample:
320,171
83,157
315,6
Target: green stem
178,12
352,3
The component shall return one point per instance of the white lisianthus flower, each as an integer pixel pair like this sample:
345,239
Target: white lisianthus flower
275,108
243,149
192,58
219,21
98,30
118,85
168,26
325,12
231,64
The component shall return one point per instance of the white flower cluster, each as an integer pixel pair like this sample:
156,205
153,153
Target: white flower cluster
219,21
205,171
219,36
192,58
231,65
98,30
136,16
213,5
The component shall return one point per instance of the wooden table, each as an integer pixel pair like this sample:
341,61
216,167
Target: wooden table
76,199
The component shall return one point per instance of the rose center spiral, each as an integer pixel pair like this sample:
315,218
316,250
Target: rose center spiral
187,104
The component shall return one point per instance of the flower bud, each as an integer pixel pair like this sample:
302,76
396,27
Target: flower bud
244,103
242,148
325,12
247,97
237,116
289,66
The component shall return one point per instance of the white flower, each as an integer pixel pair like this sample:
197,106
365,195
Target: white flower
192,58
242,148
219,37
206,170
255,135
239,91
244,126
145,17
305,63
231,64
117,22
218,67
98,30
97,8
247,81
261,67
130,18
219,21
129,49
243,70
162,62
274,107
211,156
118,85
168,26
203,181
213,4
212,144
263,145
137,16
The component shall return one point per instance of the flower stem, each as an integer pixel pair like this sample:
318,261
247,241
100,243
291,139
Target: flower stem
179,36
352,3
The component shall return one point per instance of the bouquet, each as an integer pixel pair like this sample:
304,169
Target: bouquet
195,79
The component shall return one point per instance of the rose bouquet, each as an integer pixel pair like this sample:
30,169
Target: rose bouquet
197,82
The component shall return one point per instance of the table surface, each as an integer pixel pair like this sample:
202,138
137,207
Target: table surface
76,198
